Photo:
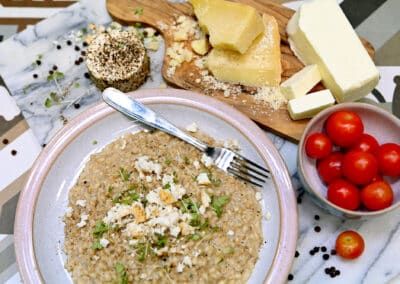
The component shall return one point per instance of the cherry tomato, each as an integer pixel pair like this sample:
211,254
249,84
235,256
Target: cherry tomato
318,145
377,195
330,167
366,143
359,167
344,194
344,128
349,244
388,156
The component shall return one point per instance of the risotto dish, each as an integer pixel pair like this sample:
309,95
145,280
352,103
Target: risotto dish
150,208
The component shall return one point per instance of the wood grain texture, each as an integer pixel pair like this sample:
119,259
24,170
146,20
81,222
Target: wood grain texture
161,14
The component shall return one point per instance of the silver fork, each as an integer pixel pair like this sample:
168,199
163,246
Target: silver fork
225,159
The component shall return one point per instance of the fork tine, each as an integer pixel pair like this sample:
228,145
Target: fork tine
240,157
238,174
240,163
245,173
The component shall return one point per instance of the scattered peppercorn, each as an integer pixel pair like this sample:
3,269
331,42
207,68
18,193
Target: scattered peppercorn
38,62
325,256
35,76
333,252
43,145
83,53
290,277
51,72
77,62
316,217
296,254
55,67
77,105
85,43
337,272
316,249
77,48
332,271
69,42
312,252
87,76
323,249
317,229
58,46
80,59
13,152
5,141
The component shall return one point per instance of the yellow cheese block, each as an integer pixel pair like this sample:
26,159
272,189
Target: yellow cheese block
259,66
232,26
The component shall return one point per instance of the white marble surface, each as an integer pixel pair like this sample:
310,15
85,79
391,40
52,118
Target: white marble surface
378,264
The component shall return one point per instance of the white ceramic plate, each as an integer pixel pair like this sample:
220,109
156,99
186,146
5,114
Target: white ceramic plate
39,229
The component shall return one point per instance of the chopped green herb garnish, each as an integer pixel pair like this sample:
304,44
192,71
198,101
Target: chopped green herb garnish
228,250
204,225
56,75
25,89
167,186
186,160
216,182
77,85
110,189
142,250
48,103
101,228
138,25
162,241
132,187
54,97
125,175
217,204
96,245
195,237
94,142
39,56
167,161
138,11
84,30
122,273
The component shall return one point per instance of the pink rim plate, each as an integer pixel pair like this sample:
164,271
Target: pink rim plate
288,231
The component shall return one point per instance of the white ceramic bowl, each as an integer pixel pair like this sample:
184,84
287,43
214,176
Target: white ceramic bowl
377,122
39,229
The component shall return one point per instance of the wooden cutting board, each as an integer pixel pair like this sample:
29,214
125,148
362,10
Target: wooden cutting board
162,14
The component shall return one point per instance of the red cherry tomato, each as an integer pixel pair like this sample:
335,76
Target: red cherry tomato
377,195
344,194
349,244
330,167
318,145
388,156
344,128
366,143
359,167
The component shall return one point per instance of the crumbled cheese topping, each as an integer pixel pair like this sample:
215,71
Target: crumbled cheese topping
82,223
68,212
271,95
232,144
143,165
196,164
81,203
192,127
104,242
207,160
258,196
230,233
203,179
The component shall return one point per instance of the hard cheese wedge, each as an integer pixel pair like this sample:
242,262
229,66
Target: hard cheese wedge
301,83
309,105
232,26
259,66
319,33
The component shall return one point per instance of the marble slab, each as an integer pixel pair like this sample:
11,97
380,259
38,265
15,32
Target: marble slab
47,42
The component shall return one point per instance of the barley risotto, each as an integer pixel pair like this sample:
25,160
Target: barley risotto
151,208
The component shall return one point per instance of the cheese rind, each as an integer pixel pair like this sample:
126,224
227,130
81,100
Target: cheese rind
319,33
232,26
309,105
301,83
259,66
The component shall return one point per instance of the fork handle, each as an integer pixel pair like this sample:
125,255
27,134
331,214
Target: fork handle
136,110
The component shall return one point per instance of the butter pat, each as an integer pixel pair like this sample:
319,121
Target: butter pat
319,33
301,83
309,105
259,66
232,26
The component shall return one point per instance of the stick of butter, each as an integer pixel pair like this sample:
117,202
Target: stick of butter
309,105
319,33
301,83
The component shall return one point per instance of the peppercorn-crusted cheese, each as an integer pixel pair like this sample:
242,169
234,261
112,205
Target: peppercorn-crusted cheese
117,59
